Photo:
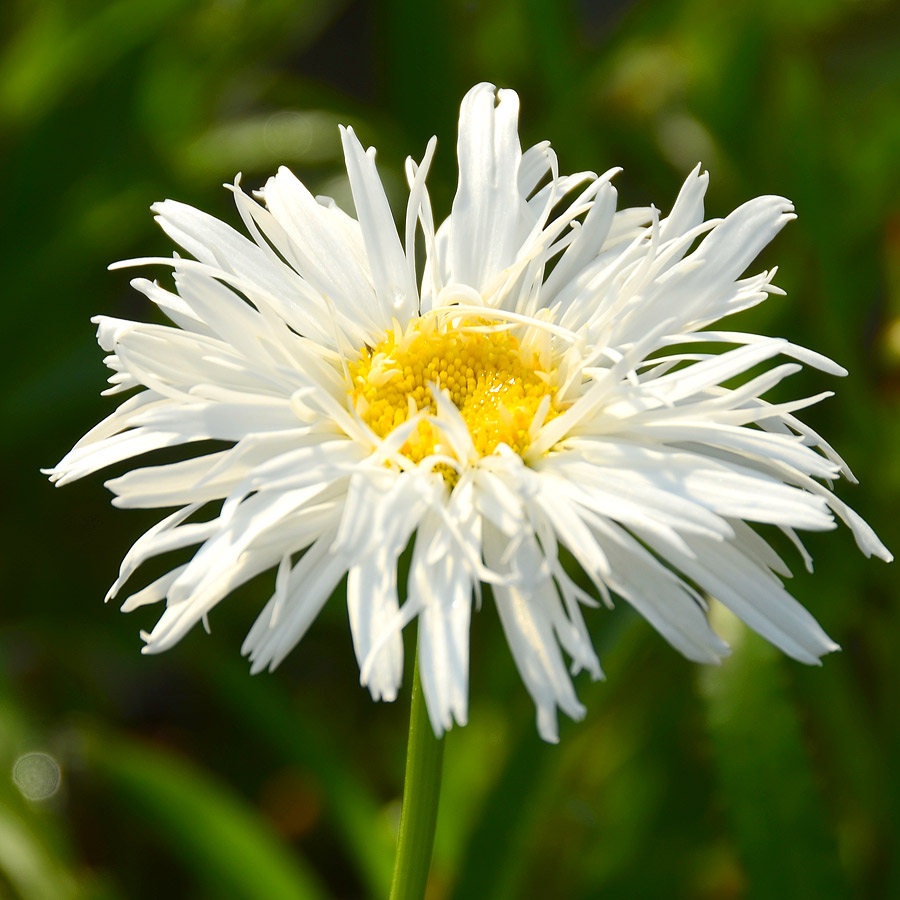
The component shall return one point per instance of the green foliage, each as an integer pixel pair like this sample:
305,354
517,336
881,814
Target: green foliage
181,775
211,830
769,787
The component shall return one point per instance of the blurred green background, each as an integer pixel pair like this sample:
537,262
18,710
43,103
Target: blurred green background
181,776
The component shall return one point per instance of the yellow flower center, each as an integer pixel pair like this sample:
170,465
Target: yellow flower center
497,385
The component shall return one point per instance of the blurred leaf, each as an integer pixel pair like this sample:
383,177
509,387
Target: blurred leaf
767,783
262,143
218,838
474,759
494,854
266,709
54,55
37,860
508,813
551,26
420,68
28,864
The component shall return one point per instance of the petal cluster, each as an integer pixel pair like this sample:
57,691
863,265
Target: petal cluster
641,458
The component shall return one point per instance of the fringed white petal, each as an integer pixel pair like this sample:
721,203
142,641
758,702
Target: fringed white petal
490,216
440,591
395,287
528,614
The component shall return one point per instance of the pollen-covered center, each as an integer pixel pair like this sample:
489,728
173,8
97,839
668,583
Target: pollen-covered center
498,386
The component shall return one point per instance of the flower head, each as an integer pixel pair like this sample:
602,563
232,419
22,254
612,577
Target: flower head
547,382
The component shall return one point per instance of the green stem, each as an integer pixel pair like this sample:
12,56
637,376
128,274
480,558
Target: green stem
422,787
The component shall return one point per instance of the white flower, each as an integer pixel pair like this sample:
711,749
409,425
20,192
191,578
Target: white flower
548,382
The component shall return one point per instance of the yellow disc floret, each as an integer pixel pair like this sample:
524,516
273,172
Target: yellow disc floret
497,386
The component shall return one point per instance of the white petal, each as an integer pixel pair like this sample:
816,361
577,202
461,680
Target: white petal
218,421
752,595
489,216
663,599
584,248
199,479
527,622
310,584
167,535
687,213
389,509
374,623
154,592
702,287
224,250
442,591
394,286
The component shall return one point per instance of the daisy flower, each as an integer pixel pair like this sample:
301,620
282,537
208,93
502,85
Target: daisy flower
550,381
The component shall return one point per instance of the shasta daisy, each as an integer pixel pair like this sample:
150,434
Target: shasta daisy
547,381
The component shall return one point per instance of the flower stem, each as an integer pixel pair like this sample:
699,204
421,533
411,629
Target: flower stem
422,787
